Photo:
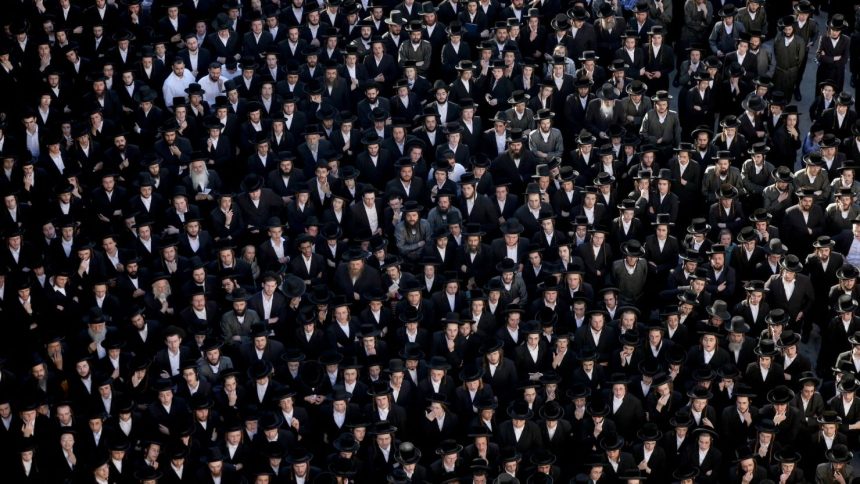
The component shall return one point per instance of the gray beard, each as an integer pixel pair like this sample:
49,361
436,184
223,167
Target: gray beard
97,337
605,111
200,179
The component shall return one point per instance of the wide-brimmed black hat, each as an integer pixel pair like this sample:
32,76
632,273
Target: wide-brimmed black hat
791,263
766,347
519,410
632,248
839,453
719,309
408,453
780,395
611,441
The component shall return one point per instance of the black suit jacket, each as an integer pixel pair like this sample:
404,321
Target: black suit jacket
801,300
529,440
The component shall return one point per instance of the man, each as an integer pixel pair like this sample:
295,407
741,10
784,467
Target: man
576,104
659,61
604,112
719,174
661,126
546,142
803,222
837,469
631,273
416,49
353,277
792,290
176,83
840,119
741,56
257,204
704,455
516,164
833,53
520,431
790,54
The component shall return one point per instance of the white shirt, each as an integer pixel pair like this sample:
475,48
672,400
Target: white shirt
261,391
33,143
501,141
125,426
174,362
267,306
789,288
514,333
175,87
372,218
595,335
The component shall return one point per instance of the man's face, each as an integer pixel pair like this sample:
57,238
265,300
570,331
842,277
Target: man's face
179,69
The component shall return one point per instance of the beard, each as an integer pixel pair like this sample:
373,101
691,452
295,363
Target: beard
606,111
97,336
200,179
735,347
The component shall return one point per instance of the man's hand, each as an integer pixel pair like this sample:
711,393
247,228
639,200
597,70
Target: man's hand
663,401
28,428
837,476
57,359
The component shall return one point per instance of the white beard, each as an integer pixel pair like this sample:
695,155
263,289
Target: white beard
201,179
606,111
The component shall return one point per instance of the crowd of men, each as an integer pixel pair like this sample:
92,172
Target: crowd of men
471,241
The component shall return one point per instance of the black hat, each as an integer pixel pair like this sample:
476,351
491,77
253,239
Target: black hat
519,410
780,395
408,453
611,441
632,248
839,453
791,263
